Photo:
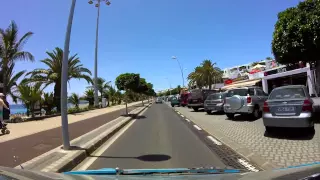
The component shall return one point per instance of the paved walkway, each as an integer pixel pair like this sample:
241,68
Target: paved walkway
284,148
23,147
18,130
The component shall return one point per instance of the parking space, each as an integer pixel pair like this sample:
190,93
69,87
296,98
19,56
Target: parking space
284,147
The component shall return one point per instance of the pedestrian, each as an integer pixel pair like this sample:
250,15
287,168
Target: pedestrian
2,105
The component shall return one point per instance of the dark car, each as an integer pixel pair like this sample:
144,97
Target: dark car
184,99
214,102
197,98
175,101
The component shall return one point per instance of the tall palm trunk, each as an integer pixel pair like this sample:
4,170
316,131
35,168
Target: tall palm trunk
57,95
4,79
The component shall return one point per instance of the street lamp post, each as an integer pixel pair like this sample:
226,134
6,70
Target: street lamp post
174,57
96,98
64,81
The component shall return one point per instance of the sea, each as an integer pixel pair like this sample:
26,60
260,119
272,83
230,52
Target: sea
21,109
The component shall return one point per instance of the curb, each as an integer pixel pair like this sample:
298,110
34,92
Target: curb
71,158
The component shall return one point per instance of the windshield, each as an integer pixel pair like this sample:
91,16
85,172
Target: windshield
215,96
240,92
144,84
287,93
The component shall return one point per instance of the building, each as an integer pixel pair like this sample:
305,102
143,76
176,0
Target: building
268,74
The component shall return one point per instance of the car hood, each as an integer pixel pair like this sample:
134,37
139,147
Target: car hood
293,172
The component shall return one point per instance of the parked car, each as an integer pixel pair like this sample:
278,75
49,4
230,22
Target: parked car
214,102
245,100
197,98
184,99
175,101
159,100
289,106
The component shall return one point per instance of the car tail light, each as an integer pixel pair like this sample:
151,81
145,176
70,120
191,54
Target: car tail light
266,107
249,99
307,105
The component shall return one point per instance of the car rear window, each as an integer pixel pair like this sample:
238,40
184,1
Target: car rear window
287,93
240,92
215,96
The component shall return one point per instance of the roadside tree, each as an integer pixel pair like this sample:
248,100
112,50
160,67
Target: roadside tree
296,36
127,82
52,75
11,50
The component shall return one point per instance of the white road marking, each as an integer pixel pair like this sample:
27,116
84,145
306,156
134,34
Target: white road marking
247,165
104,147
197,127
182,115
214,140
188,120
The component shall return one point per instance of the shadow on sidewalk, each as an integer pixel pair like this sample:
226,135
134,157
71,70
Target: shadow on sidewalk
291,133
134,116
148,157
242,118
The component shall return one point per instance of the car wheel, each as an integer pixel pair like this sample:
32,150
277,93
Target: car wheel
172,105
209,112
256,113
196,109
230,115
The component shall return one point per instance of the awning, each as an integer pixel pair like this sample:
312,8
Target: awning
241,84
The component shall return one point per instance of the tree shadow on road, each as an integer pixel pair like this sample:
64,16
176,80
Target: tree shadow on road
291,134
147,157
134,116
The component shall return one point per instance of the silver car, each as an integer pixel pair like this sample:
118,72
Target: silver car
214,102
245,100
158,100
288,106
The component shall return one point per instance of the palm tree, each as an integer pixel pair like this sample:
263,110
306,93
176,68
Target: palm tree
112,95
89,96
52,75
11,50
74,99
205,75
48,102
30,95
12,82
102,85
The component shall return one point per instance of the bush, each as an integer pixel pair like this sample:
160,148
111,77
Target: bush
16,119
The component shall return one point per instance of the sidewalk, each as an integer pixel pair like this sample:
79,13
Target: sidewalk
18,130
31,139
248,138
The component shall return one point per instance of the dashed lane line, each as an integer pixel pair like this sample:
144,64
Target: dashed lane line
248,165
214,140
197,127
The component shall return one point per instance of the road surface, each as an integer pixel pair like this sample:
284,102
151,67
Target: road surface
157,139
28,147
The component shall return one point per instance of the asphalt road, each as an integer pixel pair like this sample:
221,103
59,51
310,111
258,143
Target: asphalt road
28,147
157,139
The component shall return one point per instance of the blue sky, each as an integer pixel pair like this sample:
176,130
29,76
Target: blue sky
141,35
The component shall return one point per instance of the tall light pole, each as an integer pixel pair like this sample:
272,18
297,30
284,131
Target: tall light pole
96,98
175,58
64,81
